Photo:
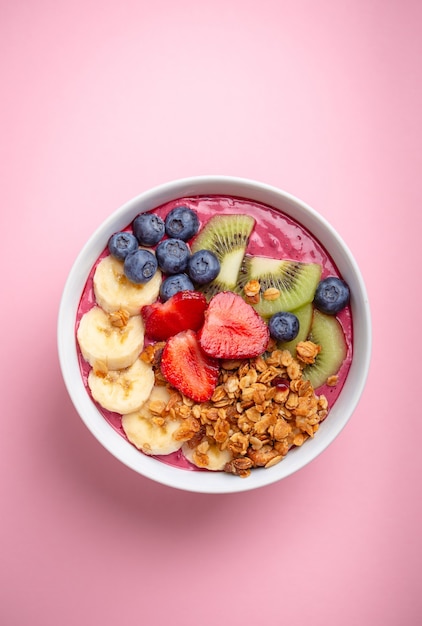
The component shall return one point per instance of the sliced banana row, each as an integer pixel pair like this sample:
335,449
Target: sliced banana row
111,338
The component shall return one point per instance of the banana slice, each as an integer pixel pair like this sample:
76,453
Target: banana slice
113,291
110,341
207,456
122,391
146,434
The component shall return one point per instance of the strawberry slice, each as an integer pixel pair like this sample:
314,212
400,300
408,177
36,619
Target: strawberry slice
186,367
232,328
185,310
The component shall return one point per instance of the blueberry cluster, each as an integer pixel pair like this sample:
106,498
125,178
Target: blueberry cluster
172,254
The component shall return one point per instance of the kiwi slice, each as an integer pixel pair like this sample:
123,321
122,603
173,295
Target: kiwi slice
295,281
304,315
227,236
327,332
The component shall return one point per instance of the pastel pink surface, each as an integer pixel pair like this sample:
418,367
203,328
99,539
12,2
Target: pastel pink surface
102,101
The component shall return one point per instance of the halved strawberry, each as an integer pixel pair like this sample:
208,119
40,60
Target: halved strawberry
186,367
232,328
183,311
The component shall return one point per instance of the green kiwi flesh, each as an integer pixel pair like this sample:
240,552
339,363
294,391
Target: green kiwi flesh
327,332
227,236
304,314
296,282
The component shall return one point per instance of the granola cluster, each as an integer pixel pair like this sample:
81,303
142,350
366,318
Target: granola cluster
260,409
252,292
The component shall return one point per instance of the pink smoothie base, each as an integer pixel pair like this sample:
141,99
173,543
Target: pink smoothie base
274,235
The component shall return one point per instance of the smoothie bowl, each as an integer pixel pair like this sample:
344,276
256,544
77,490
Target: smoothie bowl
214,334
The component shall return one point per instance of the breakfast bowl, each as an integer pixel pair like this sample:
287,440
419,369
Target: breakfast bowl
285,227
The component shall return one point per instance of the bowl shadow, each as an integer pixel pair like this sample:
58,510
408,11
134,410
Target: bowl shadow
90,470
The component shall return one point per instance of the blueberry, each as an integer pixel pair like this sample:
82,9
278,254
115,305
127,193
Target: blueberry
121,244
182,223
148,228
172,256
203,267
174,284
283,326
140,266
331,295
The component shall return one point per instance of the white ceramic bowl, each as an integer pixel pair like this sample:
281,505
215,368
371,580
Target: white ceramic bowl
212,482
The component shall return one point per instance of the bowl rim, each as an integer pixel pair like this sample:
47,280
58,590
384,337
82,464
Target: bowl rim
205,481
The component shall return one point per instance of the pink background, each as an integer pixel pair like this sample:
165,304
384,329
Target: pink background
102,100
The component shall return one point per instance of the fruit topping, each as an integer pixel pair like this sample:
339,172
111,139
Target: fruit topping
203,267
185,310
187,368
284,285
148,229
110,340
283,326
172,256
149,434
282,384
122,391
207,456
140,266
332,295
174,284
232,328
113,291
121,244
181,223
326,332
304,315
227,237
